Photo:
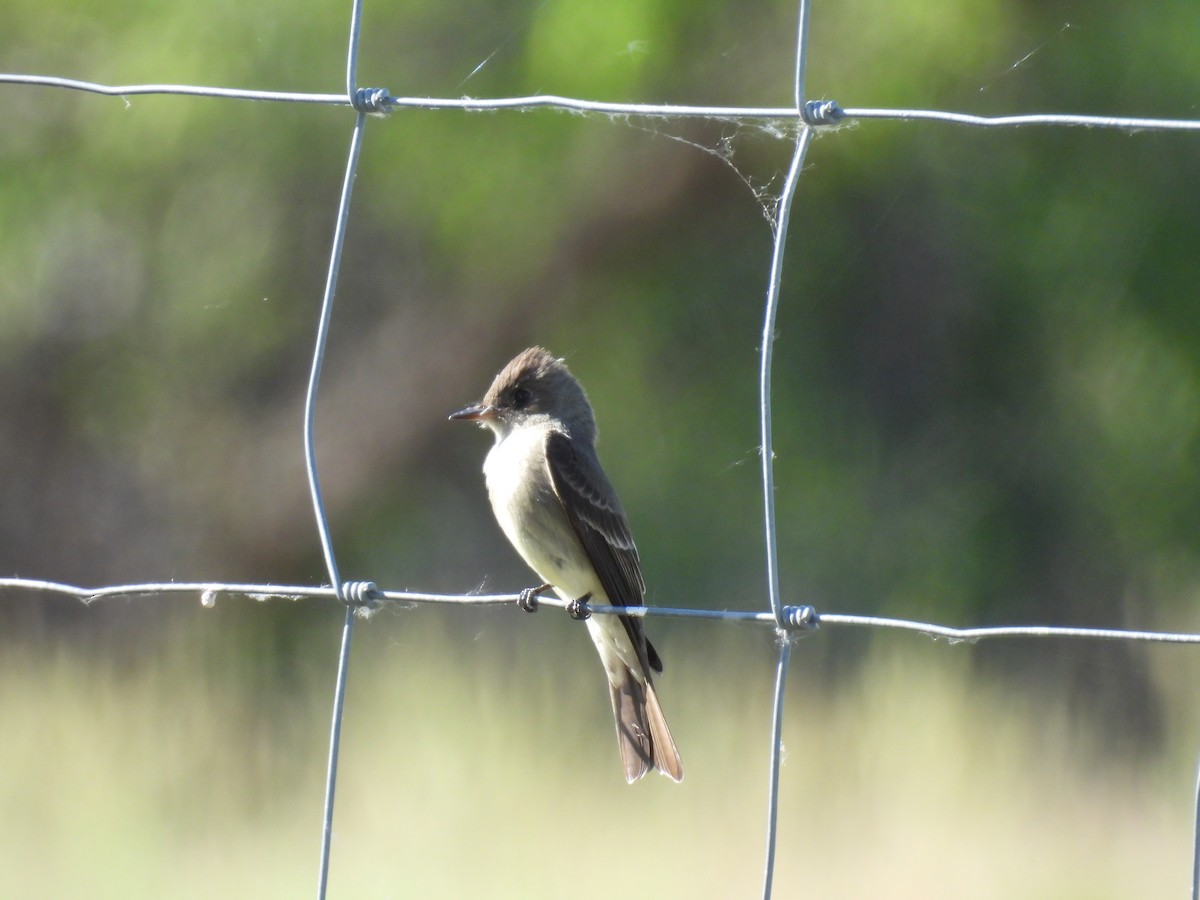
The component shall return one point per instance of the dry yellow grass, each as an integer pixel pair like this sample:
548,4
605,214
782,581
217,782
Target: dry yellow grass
484,767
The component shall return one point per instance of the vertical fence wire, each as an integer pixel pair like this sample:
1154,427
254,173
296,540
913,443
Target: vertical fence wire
335,260
1196,840
801,55
781,669
314,484
352,49
335,742
768,477
782,218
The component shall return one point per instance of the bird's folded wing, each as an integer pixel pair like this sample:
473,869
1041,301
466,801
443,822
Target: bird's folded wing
595,513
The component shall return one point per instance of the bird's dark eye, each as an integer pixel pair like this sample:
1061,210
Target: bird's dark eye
521,397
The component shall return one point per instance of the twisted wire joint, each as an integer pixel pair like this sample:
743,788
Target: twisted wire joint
821,112
372,100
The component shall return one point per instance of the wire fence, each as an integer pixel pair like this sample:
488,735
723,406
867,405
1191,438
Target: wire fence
789,622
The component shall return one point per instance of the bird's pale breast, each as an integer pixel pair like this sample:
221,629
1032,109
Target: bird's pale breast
532,517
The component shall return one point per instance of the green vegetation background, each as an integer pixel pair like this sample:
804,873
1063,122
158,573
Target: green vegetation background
987,399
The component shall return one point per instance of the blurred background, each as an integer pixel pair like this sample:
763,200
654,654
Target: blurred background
987,401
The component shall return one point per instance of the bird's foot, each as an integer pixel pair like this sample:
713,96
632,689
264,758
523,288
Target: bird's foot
578,608
528,598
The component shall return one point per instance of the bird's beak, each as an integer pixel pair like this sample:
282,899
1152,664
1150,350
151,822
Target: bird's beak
474,413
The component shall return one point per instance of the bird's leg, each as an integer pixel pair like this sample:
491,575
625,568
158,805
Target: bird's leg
527,599
577,609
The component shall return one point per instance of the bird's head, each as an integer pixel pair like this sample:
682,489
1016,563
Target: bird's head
535,387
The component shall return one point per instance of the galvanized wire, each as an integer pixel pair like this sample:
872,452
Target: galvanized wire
310,460
835,113
781,669
318,502
767,448
1196,841
806,117
798,616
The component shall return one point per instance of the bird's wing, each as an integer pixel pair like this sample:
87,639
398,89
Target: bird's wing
595,513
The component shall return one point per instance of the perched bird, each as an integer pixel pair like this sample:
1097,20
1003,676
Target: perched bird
557,507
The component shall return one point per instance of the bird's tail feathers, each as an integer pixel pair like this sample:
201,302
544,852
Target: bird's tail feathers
643,737
666,755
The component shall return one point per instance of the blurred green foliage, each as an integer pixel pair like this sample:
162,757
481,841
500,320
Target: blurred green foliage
987,378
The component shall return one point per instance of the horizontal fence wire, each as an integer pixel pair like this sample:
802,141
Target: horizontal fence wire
824,112
366,599
789,622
